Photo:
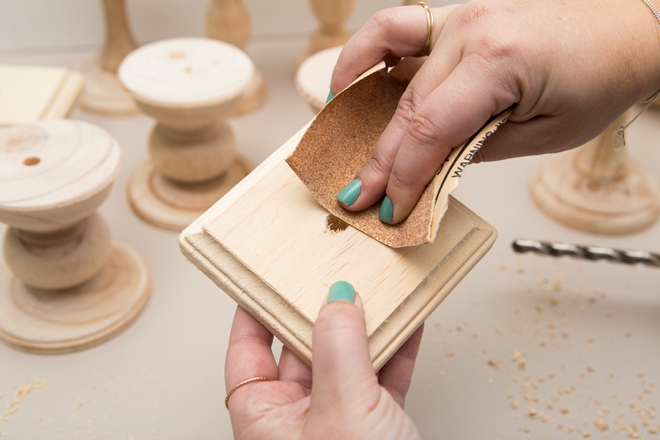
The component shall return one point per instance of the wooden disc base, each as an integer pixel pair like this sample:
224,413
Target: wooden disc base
611,207
58,321
103,93
254,96
170,205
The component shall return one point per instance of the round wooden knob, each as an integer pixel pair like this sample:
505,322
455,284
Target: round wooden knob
314,75
58,251
189,85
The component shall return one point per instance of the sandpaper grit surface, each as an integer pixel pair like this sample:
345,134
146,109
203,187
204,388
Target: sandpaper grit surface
340,141
338,144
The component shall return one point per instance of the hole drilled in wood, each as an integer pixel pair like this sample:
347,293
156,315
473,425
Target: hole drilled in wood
29,161
335,224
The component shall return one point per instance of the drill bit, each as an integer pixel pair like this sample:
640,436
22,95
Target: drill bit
586,252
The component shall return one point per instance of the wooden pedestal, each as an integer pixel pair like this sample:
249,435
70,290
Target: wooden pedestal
103,92
269,245
66,286
190,85
598,189
229,21
332,15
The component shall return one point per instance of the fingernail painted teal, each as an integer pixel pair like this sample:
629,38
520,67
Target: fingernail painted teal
349,194
330,96
341,291
386,210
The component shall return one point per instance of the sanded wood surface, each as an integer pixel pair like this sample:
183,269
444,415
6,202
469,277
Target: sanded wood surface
268,246
31,93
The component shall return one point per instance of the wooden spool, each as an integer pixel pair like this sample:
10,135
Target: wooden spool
103,92
332,15
314,75
598,189
229,21
190,85
66,285
271,247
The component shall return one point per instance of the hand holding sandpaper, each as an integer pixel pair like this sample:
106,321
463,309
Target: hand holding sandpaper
570,69
340,141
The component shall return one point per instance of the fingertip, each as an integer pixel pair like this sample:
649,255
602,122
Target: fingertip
341,291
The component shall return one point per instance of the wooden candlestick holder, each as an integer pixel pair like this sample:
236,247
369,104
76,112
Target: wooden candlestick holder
229,21
598,189
66,285
103,93
332,15
190,86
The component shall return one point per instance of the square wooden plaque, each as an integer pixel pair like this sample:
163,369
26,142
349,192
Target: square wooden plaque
267,245
28,93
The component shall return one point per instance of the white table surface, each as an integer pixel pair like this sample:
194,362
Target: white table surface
595,350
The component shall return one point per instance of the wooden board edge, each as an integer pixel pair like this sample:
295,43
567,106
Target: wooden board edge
197,247
399,336
65,97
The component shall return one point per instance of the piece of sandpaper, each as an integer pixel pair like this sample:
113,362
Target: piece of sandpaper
340,141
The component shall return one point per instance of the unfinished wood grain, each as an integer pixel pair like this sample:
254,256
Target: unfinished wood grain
103,92
29,93
66,285
598,189
190,86
266,244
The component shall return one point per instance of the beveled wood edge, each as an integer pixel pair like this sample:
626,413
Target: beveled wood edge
478,242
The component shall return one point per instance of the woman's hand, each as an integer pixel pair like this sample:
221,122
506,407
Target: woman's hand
339,398
569,67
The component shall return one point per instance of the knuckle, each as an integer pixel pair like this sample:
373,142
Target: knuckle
409,183
383,21
472,13
376,164
423,129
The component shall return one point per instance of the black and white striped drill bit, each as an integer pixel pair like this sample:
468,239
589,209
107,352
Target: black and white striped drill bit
586,252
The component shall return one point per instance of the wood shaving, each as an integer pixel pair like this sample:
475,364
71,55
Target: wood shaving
22,394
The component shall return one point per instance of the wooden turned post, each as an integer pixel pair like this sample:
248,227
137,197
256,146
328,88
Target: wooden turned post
598,189
103,93
314,75
66,285
333,15
229,21
190,86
